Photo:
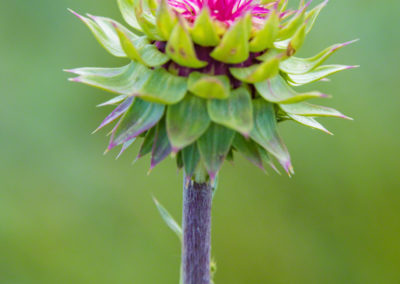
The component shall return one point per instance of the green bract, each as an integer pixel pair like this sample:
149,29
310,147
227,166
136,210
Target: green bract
202,89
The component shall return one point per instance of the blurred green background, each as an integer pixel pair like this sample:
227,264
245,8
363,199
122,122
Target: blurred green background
68,214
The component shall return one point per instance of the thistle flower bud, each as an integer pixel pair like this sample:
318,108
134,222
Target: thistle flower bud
207,78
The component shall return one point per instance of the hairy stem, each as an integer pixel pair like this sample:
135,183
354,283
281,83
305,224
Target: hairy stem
196,226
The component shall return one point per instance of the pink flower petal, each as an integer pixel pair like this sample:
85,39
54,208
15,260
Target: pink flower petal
226,11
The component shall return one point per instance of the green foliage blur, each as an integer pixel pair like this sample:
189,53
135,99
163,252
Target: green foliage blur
68,214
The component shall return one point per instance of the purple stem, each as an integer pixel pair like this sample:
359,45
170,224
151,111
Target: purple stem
196,225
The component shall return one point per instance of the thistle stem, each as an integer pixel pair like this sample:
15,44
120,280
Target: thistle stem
196,226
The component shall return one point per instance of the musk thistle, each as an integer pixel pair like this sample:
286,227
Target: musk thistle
205,79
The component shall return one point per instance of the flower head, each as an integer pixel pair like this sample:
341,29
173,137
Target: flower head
209,78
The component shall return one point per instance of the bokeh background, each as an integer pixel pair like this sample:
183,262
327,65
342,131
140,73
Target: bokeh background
68,214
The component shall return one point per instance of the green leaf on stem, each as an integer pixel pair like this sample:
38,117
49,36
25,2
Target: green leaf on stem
168,219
